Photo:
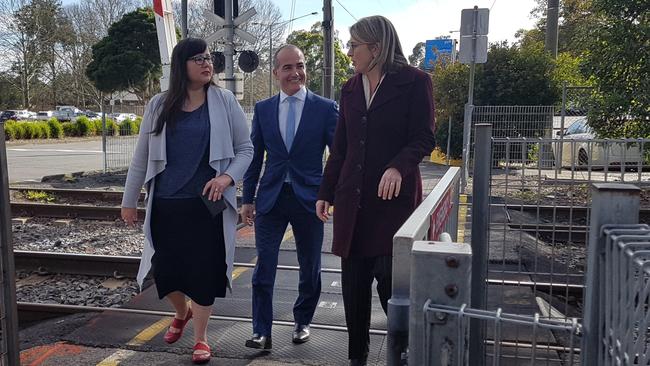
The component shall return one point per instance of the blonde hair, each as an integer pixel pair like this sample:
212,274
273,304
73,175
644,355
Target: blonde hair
378,30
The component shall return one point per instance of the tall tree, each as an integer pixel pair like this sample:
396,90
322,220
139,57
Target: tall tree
618,58
28,31
311,43
416,59
128,58
575,20
511,76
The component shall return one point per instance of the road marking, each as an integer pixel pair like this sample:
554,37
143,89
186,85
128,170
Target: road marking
153,330
115,358
462,215
55,150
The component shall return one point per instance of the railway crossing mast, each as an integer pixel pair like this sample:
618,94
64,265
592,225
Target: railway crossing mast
166,37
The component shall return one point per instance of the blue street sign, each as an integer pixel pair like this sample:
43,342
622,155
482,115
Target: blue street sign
436,48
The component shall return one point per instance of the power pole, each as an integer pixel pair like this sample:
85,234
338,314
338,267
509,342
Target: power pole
229,48
552,14
184,18
328,49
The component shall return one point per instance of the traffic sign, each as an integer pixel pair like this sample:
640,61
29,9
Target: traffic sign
466,51
467,21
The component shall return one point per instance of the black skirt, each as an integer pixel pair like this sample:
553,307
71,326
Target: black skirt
190,252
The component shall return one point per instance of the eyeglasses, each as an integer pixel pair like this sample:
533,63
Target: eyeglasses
352,45
200,60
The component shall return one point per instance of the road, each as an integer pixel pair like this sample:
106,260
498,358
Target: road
30,162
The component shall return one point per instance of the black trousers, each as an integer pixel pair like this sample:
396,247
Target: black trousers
357,277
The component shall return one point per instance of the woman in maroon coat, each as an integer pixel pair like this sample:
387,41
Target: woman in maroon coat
385,128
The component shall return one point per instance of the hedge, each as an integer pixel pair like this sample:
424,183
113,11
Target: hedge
82,126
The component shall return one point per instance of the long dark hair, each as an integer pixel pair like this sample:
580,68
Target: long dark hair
177,93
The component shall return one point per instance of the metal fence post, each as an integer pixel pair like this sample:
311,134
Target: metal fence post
480,239
398,304
447,268
612,203
9,313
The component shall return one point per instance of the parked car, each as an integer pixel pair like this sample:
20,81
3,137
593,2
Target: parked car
44,115
18,114
581,148
9,114
66,112
91,114
121,117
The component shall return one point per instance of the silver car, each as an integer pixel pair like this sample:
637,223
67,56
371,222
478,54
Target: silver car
579,147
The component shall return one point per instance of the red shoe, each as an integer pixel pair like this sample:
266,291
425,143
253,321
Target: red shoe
203,356
171,337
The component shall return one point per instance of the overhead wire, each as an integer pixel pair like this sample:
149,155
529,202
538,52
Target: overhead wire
347,11
291,16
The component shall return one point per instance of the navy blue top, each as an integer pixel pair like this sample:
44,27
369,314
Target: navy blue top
188,149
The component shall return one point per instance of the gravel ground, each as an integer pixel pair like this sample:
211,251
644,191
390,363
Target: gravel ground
74,290
80,236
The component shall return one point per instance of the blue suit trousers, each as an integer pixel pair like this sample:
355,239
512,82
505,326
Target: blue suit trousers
269,231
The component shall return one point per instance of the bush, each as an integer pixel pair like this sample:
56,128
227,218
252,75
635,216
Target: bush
31,130
128,128
56,129
21,130
70,129
85,127
42,130
10,130
112,127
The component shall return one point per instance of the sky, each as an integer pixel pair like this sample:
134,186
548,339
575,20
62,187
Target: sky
415,20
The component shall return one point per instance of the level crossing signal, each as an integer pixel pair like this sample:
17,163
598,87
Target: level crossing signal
248,60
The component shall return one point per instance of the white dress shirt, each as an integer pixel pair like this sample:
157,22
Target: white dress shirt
366,89
283,109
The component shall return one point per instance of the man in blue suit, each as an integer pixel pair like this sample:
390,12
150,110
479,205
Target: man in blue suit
292,128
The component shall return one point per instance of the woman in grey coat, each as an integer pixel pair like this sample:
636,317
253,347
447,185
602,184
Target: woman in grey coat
193,146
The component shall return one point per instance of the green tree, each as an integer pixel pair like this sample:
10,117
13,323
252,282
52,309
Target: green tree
512,75
617,56
516,76
311,44
575,20
416,58
128,58
29,29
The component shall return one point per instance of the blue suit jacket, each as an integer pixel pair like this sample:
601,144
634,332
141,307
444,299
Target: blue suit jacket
304,161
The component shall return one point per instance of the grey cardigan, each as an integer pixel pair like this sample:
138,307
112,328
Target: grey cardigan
231,152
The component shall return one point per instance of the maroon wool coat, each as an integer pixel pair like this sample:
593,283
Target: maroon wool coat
397,131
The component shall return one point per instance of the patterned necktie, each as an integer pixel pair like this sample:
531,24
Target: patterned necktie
290,130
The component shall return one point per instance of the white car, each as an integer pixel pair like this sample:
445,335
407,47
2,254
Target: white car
44,115
580,148
25,114
121,117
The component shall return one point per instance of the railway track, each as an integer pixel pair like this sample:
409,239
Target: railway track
81,194
54,210
74,211
98,265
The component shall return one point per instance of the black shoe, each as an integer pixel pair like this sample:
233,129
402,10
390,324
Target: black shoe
358,362
259,342
300,333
